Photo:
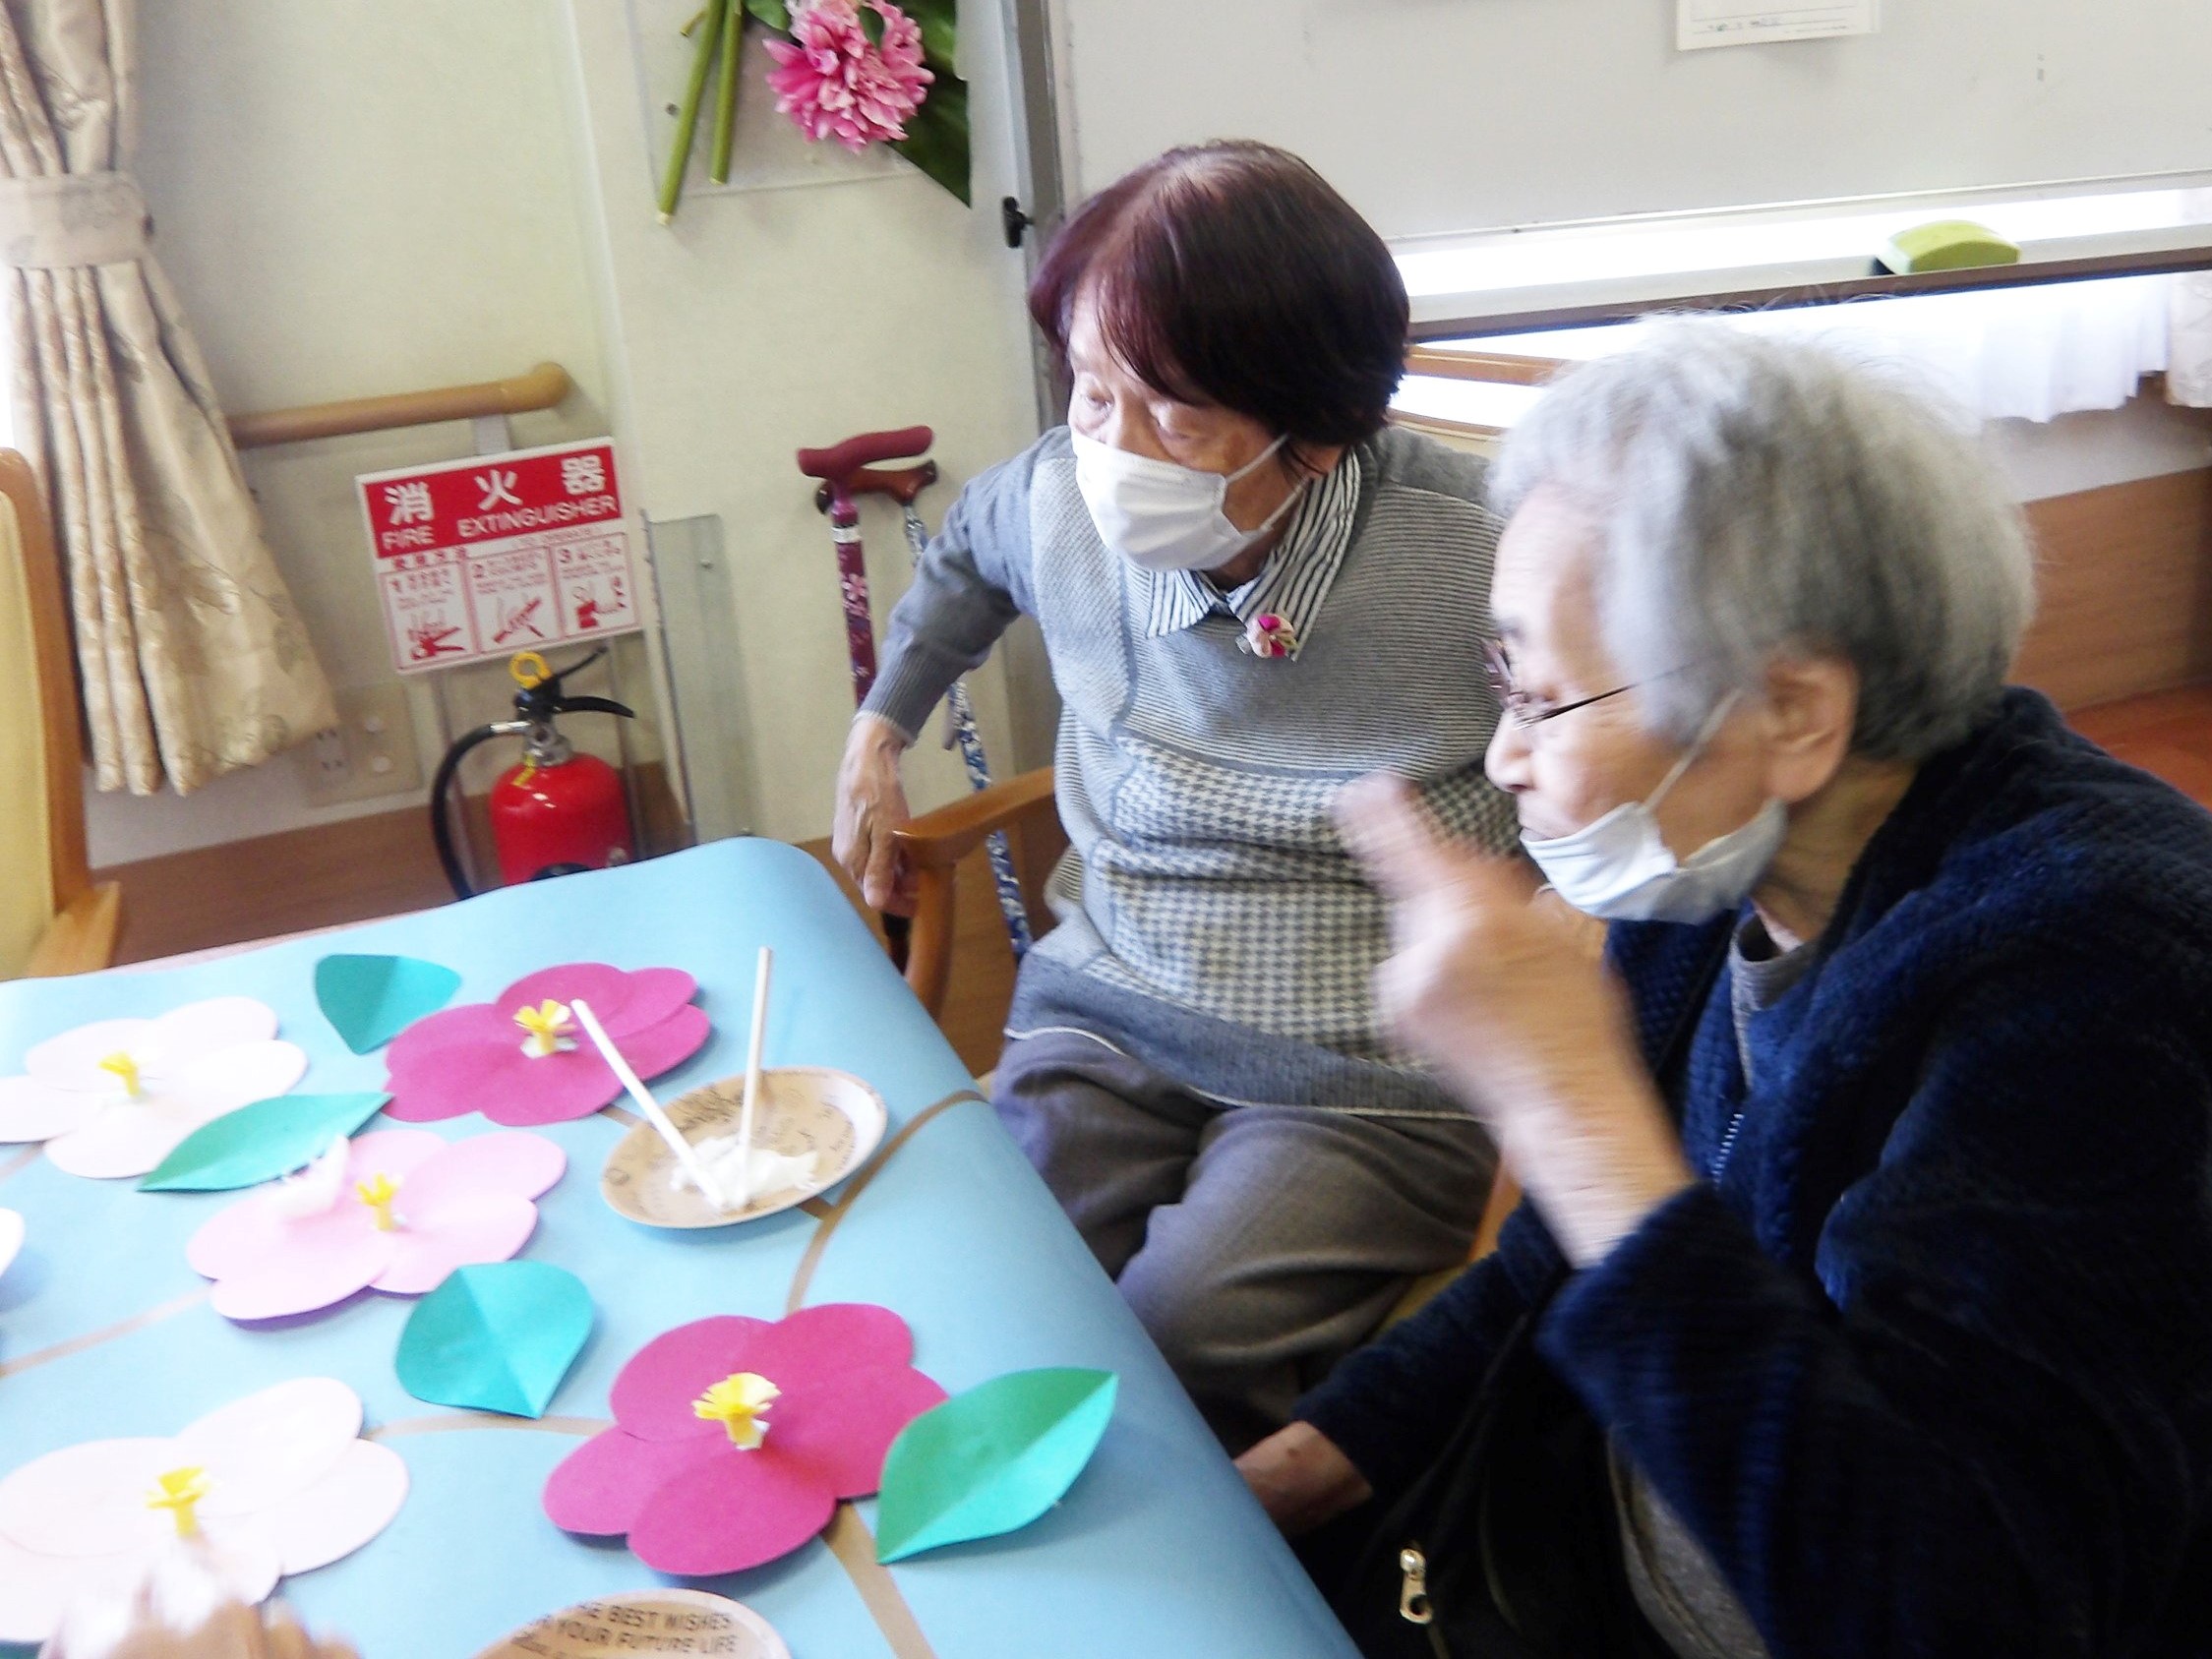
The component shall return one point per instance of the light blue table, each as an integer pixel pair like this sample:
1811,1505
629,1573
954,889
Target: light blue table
1158,1550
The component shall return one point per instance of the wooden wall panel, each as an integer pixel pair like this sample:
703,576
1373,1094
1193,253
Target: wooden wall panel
2126,575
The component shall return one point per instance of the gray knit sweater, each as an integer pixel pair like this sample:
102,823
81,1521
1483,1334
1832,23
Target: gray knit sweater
1211,922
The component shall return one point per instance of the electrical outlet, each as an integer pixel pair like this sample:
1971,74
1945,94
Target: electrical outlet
370,751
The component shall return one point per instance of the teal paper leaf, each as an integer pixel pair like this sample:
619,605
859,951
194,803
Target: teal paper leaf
371,999
259,1141
990,1461
497,1337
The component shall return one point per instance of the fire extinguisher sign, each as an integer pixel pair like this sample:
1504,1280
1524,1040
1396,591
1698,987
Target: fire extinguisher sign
481,558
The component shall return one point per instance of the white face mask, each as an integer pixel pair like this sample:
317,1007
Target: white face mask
1619,867
1161,517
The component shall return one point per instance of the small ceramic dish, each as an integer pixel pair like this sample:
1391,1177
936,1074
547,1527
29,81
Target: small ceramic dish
803,1110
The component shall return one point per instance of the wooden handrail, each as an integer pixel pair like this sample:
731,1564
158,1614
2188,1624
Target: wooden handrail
1495,368
542,387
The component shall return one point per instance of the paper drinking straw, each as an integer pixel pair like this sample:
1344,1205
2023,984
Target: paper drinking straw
753,1064
659,1119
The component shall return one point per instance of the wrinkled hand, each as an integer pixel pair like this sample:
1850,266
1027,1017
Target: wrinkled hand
871,804
1301,1479
1497,989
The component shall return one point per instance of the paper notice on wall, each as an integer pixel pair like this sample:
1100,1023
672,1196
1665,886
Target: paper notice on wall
479,559
1745,22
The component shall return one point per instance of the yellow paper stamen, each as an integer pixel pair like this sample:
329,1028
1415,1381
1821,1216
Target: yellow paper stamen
548,1025
180,1492
376,1193
737,1402
126,1070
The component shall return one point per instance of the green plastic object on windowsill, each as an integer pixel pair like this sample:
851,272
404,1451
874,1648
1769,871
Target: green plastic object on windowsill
1946,245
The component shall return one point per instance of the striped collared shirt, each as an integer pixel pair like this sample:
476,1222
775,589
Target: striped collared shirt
1294,581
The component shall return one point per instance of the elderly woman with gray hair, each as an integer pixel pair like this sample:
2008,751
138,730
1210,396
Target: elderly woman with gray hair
1863,1301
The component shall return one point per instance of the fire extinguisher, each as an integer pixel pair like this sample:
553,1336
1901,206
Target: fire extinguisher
558,811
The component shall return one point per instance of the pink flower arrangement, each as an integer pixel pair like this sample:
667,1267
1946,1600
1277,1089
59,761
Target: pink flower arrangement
403,1209
836,83
733,1439
524,1060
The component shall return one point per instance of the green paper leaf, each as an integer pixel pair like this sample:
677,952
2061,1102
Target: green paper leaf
871,24
939,22
259,1141
498,1338
371,999
936,138
774,13
992,1459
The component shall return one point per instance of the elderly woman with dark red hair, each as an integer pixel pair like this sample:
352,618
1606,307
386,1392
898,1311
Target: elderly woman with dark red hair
1251,590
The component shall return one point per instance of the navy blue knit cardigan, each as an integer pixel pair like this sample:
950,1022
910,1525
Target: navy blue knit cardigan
1926,1365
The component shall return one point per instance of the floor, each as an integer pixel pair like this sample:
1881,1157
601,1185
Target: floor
2169,732
382,866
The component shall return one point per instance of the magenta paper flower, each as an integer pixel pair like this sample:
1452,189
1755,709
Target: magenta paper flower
403,1209
836,83
733,1439
525,1060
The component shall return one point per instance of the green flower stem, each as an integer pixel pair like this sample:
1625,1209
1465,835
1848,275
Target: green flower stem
726,95
688,115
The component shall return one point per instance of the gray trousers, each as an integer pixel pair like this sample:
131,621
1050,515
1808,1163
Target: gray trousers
1257,1244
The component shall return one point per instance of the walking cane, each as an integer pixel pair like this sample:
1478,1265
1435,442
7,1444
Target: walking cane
846,471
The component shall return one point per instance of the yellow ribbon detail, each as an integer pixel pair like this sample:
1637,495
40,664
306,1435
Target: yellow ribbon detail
126,1071
180,1492
737,1402
548,1024
376,1193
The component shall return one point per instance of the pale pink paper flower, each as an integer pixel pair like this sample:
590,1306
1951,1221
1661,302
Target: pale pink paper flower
835,83
406,1210
275,1483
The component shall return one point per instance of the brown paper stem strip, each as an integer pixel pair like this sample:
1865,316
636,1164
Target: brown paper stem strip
93,1339
847,1535
449,1422
837,1211
24,1159
854,1545
622,1115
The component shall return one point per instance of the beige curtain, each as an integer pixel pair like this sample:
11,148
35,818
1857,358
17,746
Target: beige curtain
192,655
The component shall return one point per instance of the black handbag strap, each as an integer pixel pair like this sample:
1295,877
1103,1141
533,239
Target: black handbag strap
1449,1508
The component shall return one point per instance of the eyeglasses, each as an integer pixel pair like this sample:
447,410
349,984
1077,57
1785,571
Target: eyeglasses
1521,709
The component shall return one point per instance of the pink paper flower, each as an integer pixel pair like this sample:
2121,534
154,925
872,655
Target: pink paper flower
837,84
407,1209
520,1063
819,1396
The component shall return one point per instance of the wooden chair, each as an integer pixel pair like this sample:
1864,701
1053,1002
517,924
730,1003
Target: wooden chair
54,917
937,842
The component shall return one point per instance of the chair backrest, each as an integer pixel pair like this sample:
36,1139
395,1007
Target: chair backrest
42,867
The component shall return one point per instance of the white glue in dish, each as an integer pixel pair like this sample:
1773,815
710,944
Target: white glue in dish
813,1127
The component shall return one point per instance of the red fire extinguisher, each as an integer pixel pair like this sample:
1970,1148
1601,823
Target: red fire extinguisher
558,811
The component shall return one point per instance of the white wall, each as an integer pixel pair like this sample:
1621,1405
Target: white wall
356,197
763,320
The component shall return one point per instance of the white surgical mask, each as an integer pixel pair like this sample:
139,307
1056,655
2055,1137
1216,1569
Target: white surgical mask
1161,516
1619,867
